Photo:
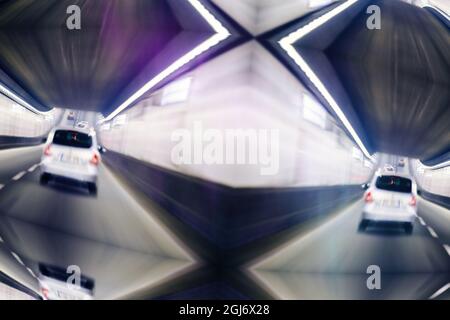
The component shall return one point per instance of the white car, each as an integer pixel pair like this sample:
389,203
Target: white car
54,284
390,198
71,116
71,153
83,125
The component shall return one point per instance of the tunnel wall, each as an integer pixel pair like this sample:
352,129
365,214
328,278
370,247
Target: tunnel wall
13,142
261,16
436,198
245,88
434,185
230,217
22,125
435,181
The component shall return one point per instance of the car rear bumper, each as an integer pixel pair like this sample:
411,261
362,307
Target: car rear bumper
88,175
409,217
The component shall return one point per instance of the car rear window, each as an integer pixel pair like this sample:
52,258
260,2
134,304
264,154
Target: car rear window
394,183
72,139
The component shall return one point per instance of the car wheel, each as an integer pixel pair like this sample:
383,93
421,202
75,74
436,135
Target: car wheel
408,227
363,225
92,188
45,178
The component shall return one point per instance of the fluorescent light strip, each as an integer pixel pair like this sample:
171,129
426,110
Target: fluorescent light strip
287,44
436,166
221,33
441,12
440,291
20,101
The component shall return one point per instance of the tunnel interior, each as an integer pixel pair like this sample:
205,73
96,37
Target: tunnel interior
97,68
399,87
217,149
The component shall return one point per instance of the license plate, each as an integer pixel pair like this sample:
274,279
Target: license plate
389,203
69,159
65,296
62,157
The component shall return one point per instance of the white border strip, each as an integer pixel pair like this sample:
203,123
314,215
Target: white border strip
221,33
287,44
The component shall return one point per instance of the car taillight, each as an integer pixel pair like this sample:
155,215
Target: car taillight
413,201
95,159
47,150
368,197
45,292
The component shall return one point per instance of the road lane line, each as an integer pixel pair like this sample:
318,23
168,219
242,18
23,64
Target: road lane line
422,222
2,186
33,168
31,272
440,291
447,248
17,258
19,175
431,231
1,239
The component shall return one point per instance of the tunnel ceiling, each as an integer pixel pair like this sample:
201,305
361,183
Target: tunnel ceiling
99,66
391,85
397,79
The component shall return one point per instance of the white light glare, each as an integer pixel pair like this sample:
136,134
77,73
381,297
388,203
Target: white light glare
287,44
221,33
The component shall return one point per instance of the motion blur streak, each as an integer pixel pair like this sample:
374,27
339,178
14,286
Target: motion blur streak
221,34
287,42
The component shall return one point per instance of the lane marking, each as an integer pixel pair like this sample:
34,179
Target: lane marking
431,231
447,248
19,175
440,291
31,272
2,186
33,168
17,258
422,222
1,239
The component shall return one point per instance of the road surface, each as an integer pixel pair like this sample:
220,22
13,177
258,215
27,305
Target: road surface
330,261
110,236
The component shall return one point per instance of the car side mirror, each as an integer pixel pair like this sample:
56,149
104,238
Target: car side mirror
365,186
